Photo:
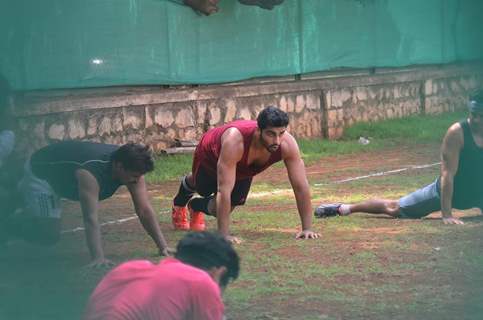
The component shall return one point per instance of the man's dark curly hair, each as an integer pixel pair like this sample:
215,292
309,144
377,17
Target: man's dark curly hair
206,250
272,117
134,157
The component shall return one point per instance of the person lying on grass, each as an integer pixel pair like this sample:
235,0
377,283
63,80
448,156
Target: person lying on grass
459,186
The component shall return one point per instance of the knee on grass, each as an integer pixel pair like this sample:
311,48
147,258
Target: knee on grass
42,231
207,205
204,205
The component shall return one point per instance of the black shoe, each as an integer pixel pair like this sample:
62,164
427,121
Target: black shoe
327,210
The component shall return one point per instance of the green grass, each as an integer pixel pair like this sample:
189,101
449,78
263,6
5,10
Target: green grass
414,128
353,272
383,134
169,167
363,267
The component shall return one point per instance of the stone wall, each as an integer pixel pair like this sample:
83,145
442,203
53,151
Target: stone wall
347,106
446,94
319,105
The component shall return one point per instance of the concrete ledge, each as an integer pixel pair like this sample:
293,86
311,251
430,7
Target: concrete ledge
50,102
319,105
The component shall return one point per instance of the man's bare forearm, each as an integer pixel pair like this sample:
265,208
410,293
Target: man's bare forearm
89,207
151,225
304,206
223,208
93,238
91,224
446,195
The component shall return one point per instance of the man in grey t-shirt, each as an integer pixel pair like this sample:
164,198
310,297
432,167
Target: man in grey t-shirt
86,172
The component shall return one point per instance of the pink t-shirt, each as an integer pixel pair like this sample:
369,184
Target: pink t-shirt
170,290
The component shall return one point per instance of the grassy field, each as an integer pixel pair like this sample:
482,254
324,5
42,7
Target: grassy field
363,267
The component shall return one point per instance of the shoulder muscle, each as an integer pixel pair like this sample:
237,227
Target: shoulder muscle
289,147
232,145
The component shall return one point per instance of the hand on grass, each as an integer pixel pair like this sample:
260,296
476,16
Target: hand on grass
452,220
100,263
166,252
307,234
233,240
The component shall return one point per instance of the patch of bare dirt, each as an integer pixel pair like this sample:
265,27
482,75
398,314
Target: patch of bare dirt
386,230
341,167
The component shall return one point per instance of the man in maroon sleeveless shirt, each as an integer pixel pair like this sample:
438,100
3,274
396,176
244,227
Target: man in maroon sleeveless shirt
225,161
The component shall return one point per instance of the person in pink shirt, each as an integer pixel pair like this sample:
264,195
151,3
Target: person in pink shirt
185,287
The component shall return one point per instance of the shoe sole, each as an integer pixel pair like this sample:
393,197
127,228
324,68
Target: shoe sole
198,228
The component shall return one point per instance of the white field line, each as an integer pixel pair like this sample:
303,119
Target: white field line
118,221
382,173
267,193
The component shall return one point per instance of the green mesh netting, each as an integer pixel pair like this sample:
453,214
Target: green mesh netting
90,43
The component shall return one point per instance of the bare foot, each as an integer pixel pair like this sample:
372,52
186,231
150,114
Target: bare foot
206,7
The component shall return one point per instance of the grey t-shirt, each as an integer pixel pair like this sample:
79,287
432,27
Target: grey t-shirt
57,164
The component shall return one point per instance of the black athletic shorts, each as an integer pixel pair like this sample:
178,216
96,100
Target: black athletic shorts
207,185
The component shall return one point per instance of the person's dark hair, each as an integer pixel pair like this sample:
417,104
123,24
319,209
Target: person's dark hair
206,250
134,157
272,117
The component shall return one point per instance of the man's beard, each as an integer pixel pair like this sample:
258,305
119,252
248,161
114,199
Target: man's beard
271,148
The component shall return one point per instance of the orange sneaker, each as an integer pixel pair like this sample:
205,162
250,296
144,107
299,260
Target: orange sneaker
179,217
197,220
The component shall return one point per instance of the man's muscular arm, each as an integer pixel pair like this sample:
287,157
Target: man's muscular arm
89,200
298,179
147,216
231,152
450,152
